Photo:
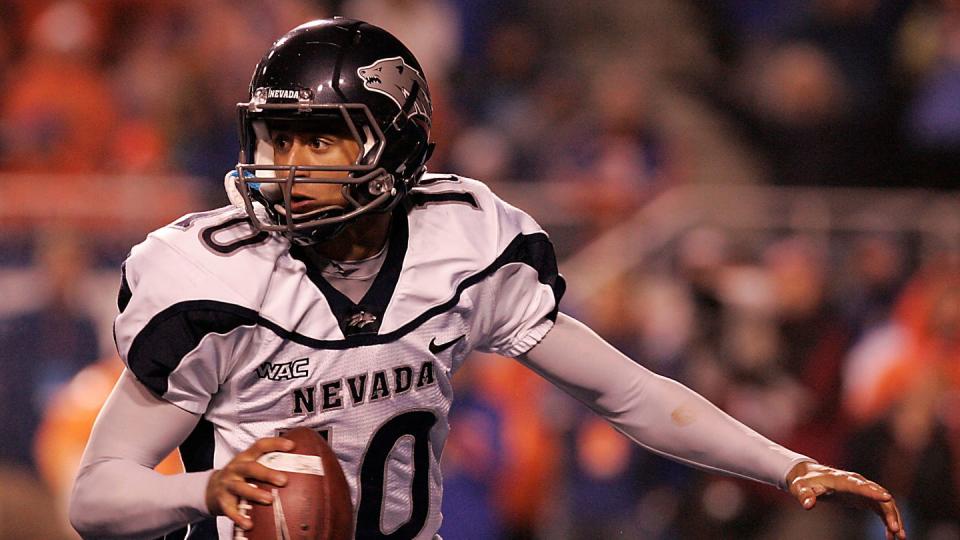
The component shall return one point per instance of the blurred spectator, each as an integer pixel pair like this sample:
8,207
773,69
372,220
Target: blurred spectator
815,340
26,508
527,483
858,36
928,319
873,276
63,433
820,101
58,113
431,28
905,398
930,57
701,256
618,158
796,105
915,456
41,350
602,478
506,95
472,460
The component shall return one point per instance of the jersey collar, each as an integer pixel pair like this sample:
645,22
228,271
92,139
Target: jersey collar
365,316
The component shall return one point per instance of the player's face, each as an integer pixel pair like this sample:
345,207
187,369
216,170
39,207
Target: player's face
314,148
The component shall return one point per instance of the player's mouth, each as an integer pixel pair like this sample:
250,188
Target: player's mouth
301,204
305,208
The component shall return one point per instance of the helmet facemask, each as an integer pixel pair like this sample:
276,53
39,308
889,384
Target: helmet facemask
365,184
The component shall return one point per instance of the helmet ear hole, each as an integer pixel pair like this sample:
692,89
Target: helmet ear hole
369,142
408,151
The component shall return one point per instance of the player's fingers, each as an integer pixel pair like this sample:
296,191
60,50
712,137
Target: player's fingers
903,531
265,445
820,489
230,506
806,495
243,511
852,483
251,470
251,492
891,516
865,488
888,514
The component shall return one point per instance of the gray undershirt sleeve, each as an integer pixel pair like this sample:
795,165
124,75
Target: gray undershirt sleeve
117,493
657,413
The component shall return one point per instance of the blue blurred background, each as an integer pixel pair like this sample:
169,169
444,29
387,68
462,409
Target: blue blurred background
755,197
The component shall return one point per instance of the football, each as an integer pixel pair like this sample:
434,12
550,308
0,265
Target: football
315,503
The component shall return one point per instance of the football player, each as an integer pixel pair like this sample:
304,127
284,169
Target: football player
341,291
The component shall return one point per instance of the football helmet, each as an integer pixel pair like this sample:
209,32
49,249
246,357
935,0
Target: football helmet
334,75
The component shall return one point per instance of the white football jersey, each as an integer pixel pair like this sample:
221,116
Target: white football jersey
225,321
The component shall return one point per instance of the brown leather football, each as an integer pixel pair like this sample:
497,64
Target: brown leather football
315,503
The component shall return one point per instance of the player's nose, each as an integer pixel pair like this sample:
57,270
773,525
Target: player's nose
299,152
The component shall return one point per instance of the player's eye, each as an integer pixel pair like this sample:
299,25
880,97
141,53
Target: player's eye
320,143
281,142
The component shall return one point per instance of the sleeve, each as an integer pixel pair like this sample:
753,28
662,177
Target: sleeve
117,494
521,293
179,328
657,413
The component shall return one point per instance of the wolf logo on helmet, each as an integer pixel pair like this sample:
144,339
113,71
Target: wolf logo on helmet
393,78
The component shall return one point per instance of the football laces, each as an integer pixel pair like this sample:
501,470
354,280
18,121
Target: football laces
244,508
279,521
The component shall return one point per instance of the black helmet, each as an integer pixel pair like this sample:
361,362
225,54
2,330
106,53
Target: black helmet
344,75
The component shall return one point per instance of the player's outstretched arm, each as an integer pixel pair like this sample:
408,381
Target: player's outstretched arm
668,418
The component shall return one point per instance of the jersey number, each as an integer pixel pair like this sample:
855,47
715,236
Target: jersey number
373,472
208,235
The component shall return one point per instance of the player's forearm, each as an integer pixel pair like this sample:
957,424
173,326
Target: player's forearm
117,493
120,499
658,413
675,421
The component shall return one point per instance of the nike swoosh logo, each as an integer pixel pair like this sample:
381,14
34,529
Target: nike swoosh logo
436,349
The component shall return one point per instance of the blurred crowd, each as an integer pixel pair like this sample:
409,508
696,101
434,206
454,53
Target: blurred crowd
119,115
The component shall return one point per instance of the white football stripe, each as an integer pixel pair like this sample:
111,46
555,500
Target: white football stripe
295,463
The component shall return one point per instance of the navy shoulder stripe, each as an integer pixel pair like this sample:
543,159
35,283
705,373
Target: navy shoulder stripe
171,334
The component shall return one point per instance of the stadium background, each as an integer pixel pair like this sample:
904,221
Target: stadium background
756,197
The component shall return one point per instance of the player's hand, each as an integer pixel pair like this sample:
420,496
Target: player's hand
229,484
808,480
